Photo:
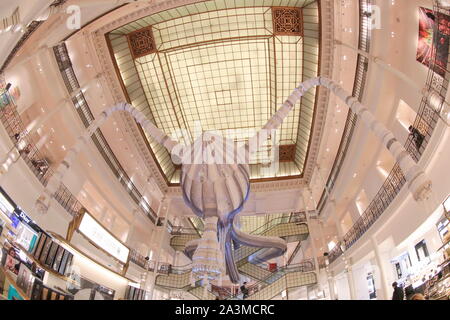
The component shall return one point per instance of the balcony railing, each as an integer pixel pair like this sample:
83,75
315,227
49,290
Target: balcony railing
30,154
86,116
37,163
425,122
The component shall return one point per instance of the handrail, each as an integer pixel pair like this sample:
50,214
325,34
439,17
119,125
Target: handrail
425,122
304,266
276,221
86,116
14,126
31,28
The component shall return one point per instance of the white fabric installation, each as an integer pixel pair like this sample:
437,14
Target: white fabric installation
215,179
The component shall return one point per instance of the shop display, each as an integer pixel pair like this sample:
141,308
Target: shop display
48,243
40,245
52,255
66,262
133,293
371,285
25,279
12,262
58,258
13,294
438,287
41,292
25,236
89,290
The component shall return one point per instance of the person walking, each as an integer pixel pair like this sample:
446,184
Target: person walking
398,292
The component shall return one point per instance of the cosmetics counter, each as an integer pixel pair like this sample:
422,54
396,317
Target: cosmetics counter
40,265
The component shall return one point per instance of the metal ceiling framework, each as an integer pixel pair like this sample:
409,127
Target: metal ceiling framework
229,67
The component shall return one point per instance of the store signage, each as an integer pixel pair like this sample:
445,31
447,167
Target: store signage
24,217
96,233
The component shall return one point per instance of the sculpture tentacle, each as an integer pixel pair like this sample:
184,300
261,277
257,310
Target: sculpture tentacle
418,184
43,202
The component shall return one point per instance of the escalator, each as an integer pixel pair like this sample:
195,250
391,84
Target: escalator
283,279
289,229
273,284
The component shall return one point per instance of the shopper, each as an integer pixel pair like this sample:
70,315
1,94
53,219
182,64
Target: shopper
398,292
244,291
417,136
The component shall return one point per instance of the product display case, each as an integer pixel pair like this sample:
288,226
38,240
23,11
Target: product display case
134,293
53,256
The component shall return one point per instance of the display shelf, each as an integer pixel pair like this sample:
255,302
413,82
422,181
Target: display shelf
70,247
41,266
12,281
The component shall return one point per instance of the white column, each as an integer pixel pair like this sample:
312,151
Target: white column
350,279
331,284
383,280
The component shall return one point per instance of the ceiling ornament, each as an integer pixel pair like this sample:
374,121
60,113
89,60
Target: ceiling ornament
287,152
287,21
141,42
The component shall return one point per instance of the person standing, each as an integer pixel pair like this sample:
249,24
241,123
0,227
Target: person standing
398,292
417,136
244,290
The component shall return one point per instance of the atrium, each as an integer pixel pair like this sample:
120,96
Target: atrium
224,150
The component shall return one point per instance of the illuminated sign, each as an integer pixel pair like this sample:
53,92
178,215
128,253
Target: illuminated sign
6,206
96,233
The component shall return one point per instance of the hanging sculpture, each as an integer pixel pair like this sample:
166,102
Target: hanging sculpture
215,180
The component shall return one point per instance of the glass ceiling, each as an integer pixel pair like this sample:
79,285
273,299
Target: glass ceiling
221,66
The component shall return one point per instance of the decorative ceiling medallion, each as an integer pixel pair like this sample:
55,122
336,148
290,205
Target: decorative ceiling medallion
287,152
141,42
287,21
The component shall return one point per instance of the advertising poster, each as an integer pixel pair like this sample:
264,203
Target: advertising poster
430,51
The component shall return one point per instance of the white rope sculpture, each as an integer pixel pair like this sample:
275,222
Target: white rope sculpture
215,179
